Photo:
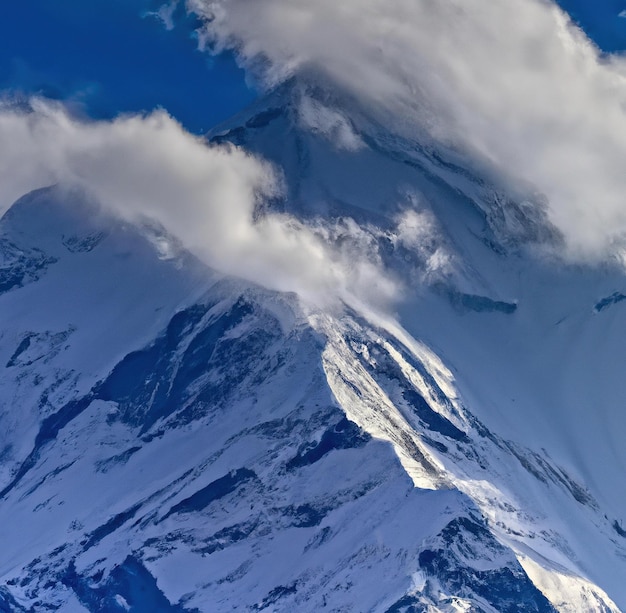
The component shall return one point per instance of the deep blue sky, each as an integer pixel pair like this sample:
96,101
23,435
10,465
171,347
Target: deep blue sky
103,55
105,58
600,20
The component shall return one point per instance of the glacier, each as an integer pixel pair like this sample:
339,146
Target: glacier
177,439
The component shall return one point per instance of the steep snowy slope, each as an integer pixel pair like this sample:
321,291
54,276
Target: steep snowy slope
213,467
534,343
60,328
174,440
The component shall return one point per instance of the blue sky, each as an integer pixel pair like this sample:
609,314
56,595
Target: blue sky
106,57
600,20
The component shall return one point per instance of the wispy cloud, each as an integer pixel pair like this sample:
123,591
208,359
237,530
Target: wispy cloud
510,82
165,13
205,195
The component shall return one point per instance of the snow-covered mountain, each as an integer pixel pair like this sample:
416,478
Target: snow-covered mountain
177,440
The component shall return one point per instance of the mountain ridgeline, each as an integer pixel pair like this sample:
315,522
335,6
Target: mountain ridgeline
174,439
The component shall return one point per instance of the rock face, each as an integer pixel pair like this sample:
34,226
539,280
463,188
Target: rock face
174,440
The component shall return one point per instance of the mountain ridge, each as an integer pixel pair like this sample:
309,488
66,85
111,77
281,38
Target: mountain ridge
241,448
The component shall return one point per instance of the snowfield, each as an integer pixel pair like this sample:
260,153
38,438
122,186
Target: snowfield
173,439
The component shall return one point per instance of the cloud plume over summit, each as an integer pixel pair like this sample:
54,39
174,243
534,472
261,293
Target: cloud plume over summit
207,196
512,83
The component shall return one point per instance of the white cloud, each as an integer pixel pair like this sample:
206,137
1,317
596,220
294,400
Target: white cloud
204,195
165,13
511,81
329,123
416,230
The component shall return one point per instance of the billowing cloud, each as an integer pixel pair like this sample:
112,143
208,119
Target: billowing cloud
511,82
205,195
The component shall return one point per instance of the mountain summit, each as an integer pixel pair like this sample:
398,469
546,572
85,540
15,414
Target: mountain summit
175,438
